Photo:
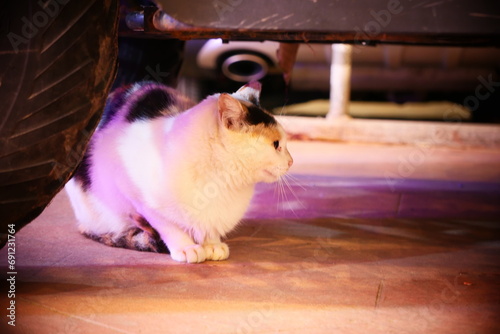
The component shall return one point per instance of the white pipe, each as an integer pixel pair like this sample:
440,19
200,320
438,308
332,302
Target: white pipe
340,81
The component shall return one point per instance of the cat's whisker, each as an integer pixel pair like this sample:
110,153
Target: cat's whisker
282,109
284,104
295,180
284,183
283,194
280,195
276,194
277,189
292,191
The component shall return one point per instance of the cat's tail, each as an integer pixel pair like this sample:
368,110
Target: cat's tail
142,237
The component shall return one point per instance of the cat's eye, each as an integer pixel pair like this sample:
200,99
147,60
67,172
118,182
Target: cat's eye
276,144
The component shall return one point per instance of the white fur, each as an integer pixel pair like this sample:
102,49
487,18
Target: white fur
188,175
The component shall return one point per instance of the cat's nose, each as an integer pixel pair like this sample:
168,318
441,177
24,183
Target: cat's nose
290,163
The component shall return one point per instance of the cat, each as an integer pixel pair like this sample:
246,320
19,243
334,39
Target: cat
162,174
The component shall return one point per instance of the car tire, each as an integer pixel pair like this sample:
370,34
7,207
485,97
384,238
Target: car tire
57,64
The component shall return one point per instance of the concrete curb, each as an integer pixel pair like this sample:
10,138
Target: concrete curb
346,129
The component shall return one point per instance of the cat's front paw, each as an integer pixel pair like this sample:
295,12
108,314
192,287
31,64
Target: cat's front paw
216,252
189,254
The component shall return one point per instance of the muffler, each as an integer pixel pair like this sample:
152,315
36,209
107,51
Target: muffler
244,67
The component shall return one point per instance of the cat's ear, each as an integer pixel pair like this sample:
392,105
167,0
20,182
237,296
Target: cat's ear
231,112
250,92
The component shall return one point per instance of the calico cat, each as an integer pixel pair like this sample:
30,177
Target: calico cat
164,175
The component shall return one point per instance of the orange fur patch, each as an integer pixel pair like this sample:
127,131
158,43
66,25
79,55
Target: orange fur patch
271,133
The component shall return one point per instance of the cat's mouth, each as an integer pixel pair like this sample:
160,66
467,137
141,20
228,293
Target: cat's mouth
269,173
270,176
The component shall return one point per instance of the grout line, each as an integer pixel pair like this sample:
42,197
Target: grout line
380,291
100,324
398,208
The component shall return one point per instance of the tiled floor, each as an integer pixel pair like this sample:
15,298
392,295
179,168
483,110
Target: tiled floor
373,239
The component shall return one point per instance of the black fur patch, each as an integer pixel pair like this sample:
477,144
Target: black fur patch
129,241
82,172
154,236
113,104
256,116
254,100
150,105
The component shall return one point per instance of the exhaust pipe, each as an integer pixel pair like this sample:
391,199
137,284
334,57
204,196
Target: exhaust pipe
244,67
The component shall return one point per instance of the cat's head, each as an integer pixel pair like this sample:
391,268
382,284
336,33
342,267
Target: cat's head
253,134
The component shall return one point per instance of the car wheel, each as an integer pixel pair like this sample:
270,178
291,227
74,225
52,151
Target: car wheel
57,64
